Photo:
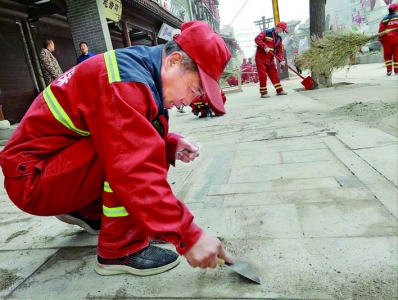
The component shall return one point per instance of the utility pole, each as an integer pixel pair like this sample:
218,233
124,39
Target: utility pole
276,11
263,23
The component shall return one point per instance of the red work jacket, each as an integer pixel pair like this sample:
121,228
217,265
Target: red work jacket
389,22
268,39
116,98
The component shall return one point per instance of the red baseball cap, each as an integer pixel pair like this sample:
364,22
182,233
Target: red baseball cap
393,6
283,25
210,53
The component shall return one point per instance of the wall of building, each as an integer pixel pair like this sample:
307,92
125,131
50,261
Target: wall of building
17,91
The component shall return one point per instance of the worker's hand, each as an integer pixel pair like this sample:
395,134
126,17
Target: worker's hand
282,63
205,252
267,50
187,150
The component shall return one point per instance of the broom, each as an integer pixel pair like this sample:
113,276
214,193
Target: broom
331,51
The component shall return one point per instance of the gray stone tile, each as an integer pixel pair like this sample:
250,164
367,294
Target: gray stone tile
251,199
288,171
383,159
177,179
387,194
366,173
302,143
349,181
17,266
359,138
288,268
349,218
325,195
267,221
304,183
6,204
195,206
383,189
213,202
258,159
193,194
23,231
214,170
306,156
240,188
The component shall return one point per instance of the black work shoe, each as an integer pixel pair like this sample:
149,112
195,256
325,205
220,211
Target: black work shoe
148,261
91,226
389,73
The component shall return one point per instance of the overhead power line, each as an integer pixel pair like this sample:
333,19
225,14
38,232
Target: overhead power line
229,25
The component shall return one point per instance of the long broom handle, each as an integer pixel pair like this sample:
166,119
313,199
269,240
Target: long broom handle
386,31
294,71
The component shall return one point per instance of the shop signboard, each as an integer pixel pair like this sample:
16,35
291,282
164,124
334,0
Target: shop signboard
165,32
113,9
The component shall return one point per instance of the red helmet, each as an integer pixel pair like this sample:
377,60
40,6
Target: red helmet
283,25
393,6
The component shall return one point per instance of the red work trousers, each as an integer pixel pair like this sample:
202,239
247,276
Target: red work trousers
391,56
270,70
73,180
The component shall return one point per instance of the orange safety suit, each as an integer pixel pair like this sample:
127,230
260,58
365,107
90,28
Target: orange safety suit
200,104
390,41
96,140
265,62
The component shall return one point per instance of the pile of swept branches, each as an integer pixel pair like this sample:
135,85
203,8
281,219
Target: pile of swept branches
332,51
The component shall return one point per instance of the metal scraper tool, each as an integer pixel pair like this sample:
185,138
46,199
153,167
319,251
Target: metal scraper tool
242,268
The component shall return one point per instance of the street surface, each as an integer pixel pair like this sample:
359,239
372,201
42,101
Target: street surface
303,187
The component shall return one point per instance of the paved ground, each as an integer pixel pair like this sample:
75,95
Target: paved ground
303,186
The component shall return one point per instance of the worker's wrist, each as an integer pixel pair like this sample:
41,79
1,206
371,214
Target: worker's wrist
190,238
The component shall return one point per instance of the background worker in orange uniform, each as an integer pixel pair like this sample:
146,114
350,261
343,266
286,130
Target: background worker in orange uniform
89,150
202,107
269,40
390,40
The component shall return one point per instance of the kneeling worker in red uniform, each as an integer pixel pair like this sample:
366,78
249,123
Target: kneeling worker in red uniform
202,107
100,150
267,41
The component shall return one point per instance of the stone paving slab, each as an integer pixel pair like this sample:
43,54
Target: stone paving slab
17,266
289,171
301,195
383,159
359,138
265,221
289,157
384,190
297,185
278,145
241,200
240,188
22,231
177,179
256,158
6,205
346,218
339,268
